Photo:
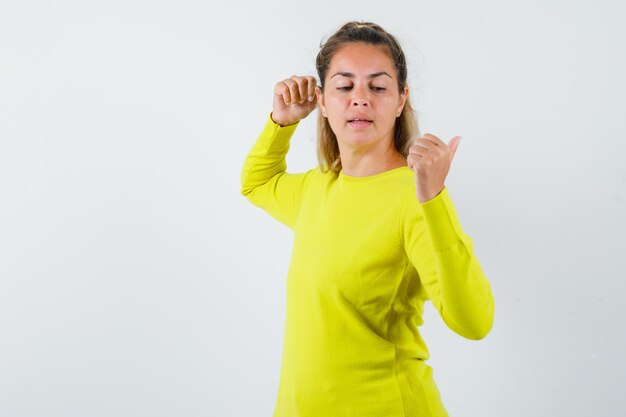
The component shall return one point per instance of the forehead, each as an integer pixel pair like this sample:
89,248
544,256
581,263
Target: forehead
361,59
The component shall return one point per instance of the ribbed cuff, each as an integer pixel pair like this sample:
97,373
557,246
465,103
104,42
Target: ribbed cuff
276,134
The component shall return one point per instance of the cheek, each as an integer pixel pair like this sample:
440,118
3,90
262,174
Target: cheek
335,109
335,102
335,121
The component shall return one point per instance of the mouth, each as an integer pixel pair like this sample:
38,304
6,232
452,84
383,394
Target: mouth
359,123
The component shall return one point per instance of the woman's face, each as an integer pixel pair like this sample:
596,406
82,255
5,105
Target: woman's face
361,97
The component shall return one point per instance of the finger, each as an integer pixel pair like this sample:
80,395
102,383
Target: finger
282,90
424,143
453,145
430,135
418,151
293,90
414,162
302,89
411,161
311,91
296,88
434,139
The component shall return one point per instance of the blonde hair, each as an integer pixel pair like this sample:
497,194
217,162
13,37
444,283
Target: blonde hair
406,124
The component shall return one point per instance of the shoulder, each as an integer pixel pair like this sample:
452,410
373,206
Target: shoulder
311,179
401,183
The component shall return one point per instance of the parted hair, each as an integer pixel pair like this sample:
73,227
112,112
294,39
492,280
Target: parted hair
405,128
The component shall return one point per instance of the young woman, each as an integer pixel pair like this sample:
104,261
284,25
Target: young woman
375,235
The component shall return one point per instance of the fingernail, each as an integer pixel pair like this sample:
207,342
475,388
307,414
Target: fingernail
310,98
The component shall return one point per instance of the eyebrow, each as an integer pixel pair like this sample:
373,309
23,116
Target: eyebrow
374,75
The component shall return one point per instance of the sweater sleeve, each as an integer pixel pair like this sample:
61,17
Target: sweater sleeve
447,266
264,180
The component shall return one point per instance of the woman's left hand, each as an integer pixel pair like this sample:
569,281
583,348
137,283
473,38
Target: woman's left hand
430,158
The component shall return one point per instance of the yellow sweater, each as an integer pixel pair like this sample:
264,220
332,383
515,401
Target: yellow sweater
366,256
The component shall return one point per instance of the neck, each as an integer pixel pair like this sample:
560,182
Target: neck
358,162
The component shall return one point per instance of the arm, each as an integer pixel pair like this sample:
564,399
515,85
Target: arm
448,268
264,180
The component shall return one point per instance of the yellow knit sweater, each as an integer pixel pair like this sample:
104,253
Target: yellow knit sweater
366,256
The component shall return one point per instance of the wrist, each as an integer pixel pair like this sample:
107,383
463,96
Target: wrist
282,123
425,196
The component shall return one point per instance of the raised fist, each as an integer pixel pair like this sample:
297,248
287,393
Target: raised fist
294,99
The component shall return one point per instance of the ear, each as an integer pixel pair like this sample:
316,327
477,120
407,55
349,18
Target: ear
404,95
320,99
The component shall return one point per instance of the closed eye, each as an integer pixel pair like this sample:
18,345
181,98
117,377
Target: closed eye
348,88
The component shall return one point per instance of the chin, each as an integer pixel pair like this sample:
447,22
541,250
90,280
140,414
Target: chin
360,136
357,141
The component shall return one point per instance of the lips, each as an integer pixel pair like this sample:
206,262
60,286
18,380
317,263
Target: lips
359,117
359,123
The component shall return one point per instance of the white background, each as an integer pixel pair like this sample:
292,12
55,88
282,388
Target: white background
135,280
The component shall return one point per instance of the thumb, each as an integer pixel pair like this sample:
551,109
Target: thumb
453,145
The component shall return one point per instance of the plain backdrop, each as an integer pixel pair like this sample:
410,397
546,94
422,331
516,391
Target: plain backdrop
135,280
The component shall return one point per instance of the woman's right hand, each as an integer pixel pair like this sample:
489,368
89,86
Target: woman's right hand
294,99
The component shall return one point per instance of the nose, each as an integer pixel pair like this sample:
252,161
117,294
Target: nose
360,96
